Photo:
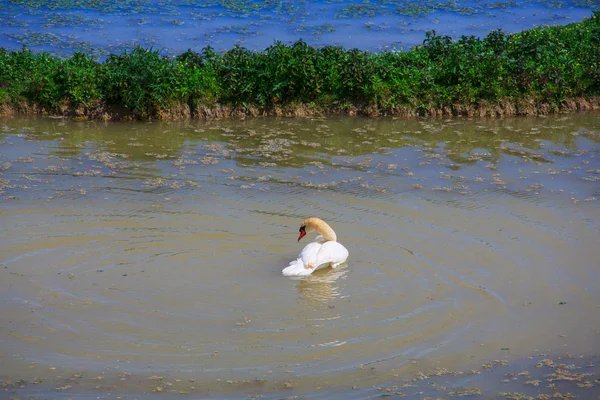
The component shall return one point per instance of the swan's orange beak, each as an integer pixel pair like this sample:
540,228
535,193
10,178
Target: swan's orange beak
302,232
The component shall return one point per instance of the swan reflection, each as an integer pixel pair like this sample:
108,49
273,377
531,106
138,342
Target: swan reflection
322,286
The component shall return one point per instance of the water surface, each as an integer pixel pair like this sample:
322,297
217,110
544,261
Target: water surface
135,251
112,26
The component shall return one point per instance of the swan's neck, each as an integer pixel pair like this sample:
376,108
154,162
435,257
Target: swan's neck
316,224
327,232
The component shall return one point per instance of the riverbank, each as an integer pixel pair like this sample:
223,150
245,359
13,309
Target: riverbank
538,71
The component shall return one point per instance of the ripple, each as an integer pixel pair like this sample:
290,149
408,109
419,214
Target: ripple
189,278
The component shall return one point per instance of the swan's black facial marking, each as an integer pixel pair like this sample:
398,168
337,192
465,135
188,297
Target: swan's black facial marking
302,231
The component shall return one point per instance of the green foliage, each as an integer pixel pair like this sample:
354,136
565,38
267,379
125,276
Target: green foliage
79,79
548,64
289,74
30,77
200,84
238,71
142,81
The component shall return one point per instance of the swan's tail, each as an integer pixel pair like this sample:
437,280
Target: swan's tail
296,268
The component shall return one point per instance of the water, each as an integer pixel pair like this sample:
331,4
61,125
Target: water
137,252
173,27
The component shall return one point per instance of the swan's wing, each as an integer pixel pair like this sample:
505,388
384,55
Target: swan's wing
296,268
332,253
309,253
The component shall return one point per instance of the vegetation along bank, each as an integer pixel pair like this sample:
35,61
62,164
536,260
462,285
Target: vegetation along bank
538,71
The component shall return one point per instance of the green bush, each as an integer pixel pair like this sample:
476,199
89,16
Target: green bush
200,83
548,64
30,77
288,74
79,79
142,81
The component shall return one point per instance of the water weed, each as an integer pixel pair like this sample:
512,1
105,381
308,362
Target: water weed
536,71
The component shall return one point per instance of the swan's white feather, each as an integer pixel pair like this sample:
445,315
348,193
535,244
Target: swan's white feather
296,268
316,256
309,253
331,253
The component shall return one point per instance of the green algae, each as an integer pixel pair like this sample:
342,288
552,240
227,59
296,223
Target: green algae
358,11
70,20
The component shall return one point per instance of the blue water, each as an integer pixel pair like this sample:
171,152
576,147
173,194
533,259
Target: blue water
111,26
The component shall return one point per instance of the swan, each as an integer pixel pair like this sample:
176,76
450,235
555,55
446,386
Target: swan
321,253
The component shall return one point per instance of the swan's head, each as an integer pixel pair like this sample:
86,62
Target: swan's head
302,232
310,225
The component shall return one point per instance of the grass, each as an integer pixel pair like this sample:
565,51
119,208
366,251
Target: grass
536,71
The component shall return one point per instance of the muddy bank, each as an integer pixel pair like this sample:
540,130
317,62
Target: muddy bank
202,112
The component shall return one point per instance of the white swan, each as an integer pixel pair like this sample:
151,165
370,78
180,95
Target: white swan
321,253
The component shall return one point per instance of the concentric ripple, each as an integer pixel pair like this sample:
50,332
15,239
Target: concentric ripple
164,266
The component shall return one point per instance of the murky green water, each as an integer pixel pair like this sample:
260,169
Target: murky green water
135,251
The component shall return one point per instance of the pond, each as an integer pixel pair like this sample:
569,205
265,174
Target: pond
147,257
111,26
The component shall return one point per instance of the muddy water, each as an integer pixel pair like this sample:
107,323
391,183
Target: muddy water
131,252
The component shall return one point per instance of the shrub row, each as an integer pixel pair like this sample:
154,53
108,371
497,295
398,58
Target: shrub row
548,65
